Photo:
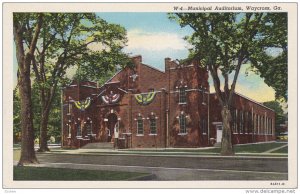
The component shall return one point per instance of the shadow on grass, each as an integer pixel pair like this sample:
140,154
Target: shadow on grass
44,173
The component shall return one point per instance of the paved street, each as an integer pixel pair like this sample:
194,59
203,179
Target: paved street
176,167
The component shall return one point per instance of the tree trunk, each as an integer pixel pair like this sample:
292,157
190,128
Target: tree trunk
27,140
226,144
24,82
43,130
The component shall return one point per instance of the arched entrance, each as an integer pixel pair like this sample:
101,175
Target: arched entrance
112,122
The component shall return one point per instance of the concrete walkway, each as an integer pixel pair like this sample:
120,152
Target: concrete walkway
274,149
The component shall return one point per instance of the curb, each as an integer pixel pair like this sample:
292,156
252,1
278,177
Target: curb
143,178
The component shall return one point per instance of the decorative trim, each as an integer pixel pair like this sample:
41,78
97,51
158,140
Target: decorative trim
182,134
111,98
183,66
84,104
145,98
123,90
88,86
217,123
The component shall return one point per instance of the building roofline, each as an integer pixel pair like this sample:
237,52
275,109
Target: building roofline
111,78
153,68
243,96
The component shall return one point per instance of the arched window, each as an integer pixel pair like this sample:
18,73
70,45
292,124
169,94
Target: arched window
69,130
140,125
78,134
89,126
204,126
153,129
182,95
69,108
182,123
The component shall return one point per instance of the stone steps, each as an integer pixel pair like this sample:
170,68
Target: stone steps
218,144
99,145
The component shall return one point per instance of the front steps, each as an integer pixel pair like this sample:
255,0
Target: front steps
99,145
218,144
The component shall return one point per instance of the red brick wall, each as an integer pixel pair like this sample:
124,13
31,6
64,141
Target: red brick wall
243,104
193,78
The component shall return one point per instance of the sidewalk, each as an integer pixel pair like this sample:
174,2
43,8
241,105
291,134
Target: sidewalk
162,153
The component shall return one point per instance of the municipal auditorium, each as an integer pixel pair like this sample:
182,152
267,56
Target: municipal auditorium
143,107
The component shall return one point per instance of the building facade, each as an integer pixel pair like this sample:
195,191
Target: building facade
143,107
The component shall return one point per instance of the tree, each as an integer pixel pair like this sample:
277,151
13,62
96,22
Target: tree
16,116
273,66
280,116
22,29
223,42
70,39
54,116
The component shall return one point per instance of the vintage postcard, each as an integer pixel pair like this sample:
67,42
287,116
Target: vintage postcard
150,95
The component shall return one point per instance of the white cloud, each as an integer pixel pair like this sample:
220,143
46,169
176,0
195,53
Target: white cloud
154,41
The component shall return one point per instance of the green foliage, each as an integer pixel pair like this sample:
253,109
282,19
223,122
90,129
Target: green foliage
226,40
67,40
273,66
16,116
280,117
54,123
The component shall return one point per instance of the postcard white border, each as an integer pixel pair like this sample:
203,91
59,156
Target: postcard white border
9,8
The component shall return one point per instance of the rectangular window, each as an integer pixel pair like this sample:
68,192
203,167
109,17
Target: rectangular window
153,126
257,123
238,118
182,96
89,129
262,125
140,126
272,127
203,97
234,120
69,108
69,130
250,127
242,122
182,122
204,126
246,122
78,130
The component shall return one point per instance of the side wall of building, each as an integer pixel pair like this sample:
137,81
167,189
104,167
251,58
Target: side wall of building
251,121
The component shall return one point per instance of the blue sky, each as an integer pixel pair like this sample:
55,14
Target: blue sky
155,37
152,35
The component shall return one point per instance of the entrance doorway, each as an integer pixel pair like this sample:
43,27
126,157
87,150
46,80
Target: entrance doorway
111,126
219,133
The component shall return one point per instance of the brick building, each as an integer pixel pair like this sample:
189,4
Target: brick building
143,107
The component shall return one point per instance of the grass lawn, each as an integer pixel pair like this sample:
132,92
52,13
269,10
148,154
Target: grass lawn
282,150
256,148
43,173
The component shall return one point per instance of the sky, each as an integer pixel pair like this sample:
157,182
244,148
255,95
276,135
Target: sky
156,37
